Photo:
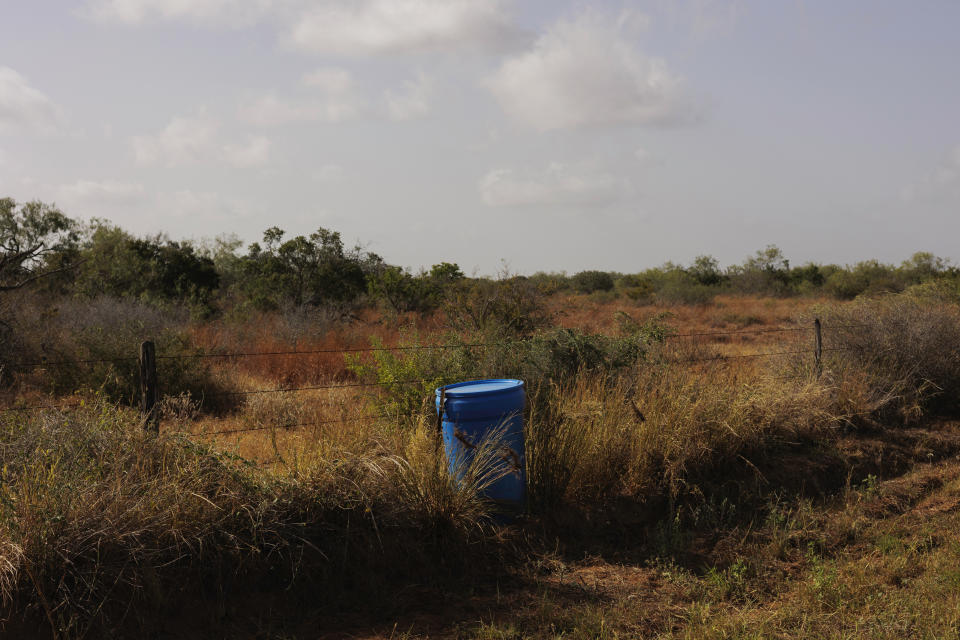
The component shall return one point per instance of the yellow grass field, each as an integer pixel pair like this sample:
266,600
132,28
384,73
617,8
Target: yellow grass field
715,488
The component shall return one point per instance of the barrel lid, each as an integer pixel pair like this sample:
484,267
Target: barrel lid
473,388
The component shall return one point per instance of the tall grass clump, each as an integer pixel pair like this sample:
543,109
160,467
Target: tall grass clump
669,434
104,526
906,343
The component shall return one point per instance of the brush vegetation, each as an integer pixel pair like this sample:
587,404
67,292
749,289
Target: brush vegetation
678,486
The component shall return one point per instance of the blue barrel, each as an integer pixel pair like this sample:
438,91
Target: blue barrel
470,411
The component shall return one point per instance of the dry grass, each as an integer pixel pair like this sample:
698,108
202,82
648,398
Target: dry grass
302,330
98,516
877,560
693,474
909,345
724,313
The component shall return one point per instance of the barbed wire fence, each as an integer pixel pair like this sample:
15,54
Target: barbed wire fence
150,384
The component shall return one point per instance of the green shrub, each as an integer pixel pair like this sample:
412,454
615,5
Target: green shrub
154,269
550,283
403,291
603,297
409,377
945,290
560,354
869,277
590,281
767,272
845,285
304,270
635,287
677,287
923,266
706,270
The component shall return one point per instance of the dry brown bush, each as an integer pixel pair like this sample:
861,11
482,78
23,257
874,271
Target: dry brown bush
908,345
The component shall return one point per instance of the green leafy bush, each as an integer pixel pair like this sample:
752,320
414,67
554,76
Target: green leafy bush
304,270
678,287
590,281
943,290
403,291
765,272
409,375
637,288
706,270
152,269
550,283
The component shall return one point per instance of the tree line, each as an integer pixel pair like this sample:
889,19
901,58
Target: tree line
42,247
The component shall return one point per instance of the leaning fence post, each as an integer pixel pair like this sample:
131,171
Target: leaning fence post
149,391
440,408
818,350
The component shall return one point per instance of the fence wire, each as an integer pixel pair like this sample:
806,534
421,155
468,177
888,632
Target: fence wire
291,425
344,350
348,385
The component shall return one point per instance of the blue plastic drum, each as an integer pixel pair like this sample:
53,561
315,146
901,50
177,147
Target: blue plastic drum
470,411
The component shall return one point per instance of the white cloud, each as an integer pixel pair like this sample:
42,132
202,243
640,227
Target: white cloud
335,98
633,23
942,182
339,101
207,12
269,110
103,192
203,206
330,80
586,72
195,140
22,107
714,15
185,140
254,153
558,184
412,102
352,27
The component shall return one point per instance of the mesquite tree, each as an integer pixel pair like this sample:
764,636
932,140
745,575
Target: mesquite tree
33,238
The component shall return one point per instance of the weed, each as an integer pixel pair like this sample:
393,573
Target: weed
729,583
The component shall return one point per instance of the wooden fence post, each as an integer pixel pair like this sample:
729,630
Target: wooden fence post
818,350
440,409
149,390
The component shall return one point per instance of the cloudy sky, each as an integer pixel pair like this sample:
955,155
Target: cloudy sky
536,134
